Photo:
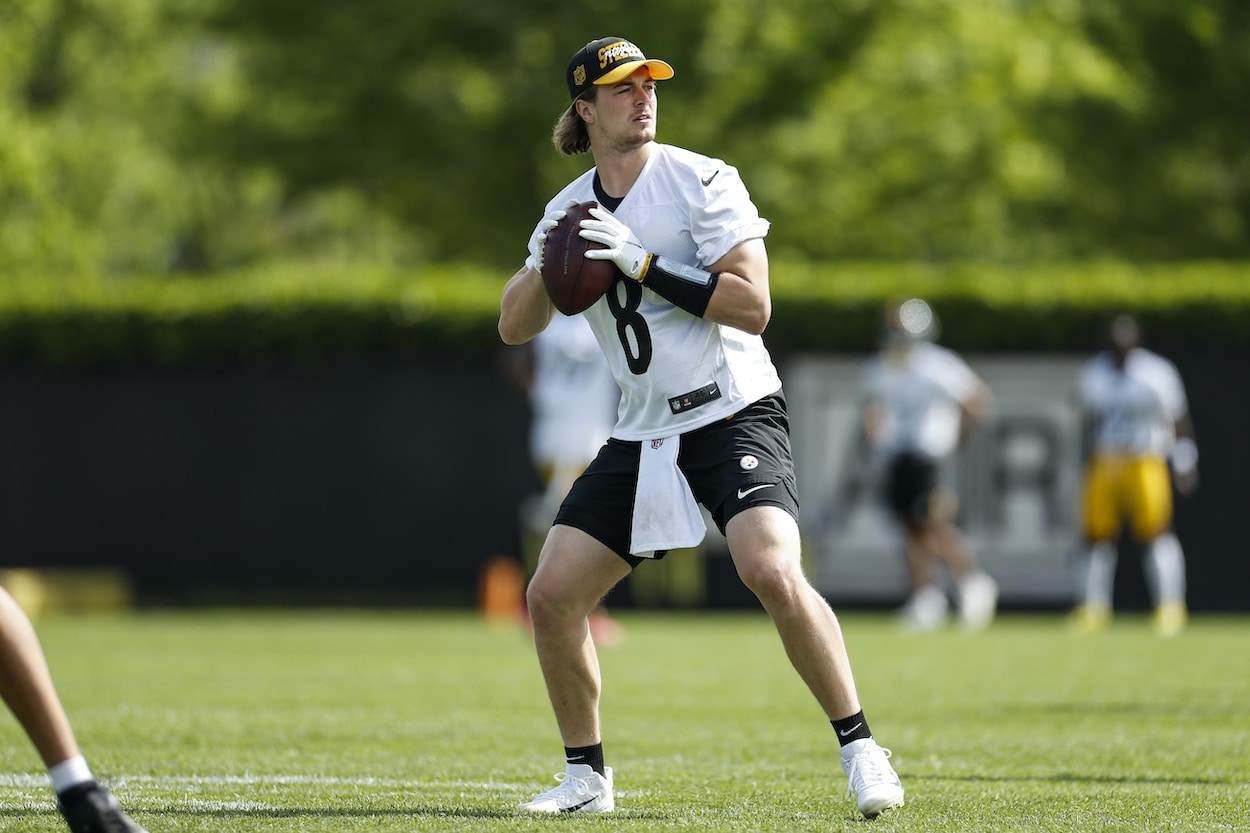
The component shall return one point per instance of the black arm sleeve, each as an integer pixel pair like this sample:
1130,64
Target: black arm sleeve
687,287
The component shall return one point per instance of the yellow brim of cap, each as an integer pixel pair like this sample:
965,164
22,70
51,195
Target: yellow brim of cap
660,71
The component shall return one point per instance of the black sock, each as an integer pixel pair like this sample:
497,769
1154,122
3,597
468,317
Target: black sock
851,728
592,756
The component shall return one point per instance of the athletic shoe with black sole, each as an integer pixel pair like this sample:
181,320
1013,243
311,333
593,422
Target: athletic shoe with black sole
91,808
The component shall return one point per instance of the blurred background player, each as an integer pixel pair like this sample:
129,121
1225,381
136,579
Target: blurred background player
923,403
573,398
1136,421
27,688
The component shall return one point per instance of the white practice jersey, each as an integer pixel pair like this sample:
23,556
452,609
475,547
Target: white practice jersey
921,388
1135,409
573,394
678,372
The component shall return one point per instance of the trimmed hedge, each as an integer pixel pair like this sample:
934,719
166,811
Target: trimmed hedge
308,314
312,314
1033,308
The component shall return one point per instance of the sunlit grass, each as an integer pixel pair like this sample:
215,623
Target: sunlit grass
396,721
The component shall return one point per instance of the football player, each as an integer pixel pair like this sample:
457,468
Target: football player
27,689
1139,442
924,402
702,416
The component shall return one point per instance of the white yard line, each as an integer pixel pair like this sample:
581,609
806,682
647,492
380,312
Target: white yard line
29,780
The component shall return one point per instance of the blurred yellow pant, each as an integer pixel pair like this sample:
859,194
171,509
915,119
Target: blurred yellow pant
1133,489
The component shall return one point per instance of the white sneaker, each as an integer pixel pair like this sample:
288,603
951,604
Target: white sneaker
978,601
925,610
870,776
581,790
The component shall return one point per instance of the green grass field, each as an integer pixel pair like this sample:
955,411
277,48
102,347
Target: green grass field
392,721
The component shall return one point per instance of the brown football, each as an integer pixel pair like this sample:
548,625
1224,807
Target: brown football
573,281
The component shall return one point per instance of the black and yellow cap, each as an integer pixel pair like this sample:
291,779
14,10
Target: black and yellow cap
607,61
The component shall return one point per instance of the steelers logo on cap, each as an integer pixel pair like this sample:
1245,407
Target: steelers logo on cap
748,462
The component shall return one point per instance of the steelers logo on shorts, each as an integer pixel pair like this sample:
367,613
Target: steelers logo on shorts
748,462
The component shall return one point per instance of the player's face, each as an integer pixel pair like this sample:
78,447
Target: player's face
624,113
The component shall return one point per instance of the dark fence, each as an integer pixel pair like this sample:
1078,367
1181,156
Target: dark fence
389,481
385,480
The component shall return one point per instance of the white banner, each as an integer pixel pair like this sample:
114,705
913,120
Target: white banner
1018,482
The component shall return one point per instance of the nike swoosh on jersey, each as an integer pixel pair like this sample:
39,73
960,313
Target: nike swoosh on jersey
744,492
708,181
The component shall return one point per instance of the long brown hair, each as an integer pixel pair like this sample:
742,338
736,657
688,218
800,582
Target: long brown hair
570,135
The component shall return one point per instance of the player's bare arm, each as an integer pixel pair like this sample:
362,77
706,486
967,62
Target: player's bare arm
873,419
525,309
741,298
974,411
1184,457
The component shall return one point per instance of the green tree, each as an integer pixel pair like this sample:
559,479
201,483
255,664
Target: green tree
100,166
900,129
201,135
1170,174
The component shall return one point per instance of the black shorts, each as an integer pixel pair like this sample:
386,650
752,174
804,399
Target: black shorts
731,465
910,486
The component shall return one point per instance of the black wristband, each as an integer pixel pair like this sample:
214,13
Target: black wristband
687,287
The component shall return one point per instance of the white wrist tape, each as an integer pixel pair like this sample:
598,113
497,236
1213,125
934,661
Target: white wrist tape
1184,456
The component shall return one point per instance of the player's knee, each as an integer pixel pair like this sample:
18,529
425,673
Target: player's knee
541,598
773,581
551,598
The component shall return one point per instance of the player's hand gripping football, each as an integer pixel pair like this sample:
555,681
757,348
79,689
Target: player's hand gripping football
623,248
538,244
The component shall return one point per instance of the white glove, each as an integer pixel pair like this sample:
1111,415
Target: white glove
623,247
538,243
